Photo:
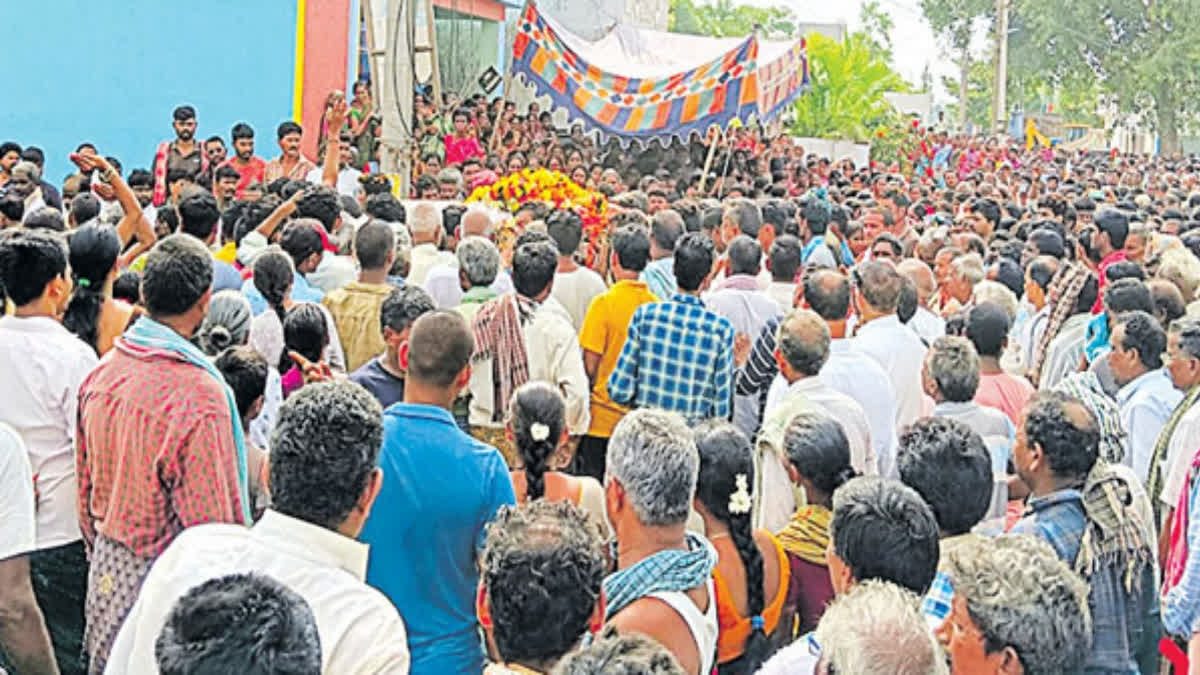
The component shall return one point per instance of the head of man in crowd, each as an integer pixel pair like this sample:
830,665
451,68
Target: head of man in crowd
184,122
877,627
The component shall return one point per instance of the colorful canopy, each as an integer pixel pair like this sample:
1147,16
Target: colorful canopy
629,84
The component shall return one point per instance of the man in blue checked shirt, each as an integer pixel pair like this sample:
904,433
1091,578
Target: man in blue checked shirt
949,466
678,355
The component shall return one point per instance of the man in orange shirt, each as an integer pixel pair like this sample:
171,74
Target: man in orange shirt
251,169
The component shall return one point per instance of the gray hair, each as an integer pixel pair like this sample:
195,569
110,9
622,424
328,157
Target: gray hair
804,341
425,219
954,366
745,255
1188,330
969,267
613,653
479,259
1021,595
227,323
474,213
450,176
999,294
653,456
877,627
1181,268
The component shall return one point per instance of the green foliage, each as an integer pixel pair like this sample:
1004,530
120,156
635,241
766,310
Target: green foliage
877,24
724,18
845,100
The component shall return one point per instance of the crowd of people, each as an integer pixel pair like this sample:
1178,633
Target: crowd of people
783,414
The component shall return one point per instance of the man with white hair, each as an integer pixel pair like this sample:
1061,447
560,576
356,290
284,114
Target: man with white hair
663,584
876,627
478,267
425,223
966,271
444,282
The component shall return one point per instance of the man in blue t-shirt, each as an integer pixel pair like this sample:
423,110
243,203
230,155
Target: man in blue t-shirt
440,489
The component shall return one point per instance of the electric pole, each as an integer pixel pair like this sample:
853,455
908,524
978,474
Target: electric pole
1000,93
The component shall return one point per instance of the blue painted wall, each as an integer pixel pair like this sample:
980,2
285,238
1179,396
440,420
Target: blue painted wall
111,72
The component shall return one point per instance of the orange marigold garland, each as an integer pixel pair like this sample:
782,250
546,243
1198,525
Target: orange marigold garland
557,191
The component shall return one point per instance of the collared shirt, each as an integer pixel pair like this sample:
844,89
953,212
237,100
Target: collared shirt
853,418
300,169
748,309
575,290
1181,450
42,366
144,475
858,376
1065,351
333,272
783,293
18,522
1031,332
424,258
443,286
898,349
302,291
927,325
1120,618
347,180
603,332
553,355
360,631
1004,392
678,356
994,426
355,310
440,489
1114,257
659,276
1147,402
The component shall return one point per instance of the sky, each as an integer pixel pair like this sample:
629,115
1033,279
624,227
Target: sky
913,41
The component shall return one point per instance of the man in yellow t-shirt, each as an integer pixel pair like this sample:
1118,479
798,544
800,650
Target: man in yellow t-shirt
602,336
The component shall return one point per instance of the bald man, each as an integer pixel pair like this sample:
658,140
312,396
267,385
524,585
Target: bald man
927,325
442,282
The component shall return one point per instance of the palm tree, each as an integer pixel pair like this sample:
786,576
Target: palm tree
848,81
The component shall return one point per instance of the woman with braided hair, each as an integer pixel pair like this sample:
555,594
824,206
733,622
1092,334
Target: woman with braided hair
752,573
274,275
537,428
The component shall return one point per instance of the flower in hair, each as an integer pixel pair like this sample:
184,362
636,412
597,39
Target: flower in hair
539,431
739,501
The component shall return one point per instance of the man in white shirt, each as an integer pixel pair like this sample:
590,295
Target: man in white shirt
783,260
523,326
24,640
575,286
347,176
1182,433
42,366
324,478
748,309
425,223
443,282
928,326
881,336
1147,397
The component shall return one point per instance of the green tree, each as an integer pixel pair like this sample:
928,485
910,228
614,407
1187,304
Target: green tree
954,22
724,18
845,99
877,24
1142,52
980,77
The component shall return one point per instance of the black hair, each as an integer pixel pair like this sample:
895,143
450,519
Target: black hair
128,287
1008,273
324,448
32,154
1115,224
816,214
536,403
785,257
245,371
230,218
693,260
727,469
384,206
1144,333
746,215
45,218
882,529
451,217
632,246
29,261
301,239
543,565
248,624
1071,445
533,267
241,130
1127,295
1047,242
274,275
176,175
198,215
168,216
817,447
403,306
987,208
12,208
987,328
566,229
84,207
183,113
249,215
440,346
1041,271
304,332
178,272
745,255
93,254
226,171
374,184
1124,269
288,127
1087,295
906,304
373,243
947,463
320,202
9,146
